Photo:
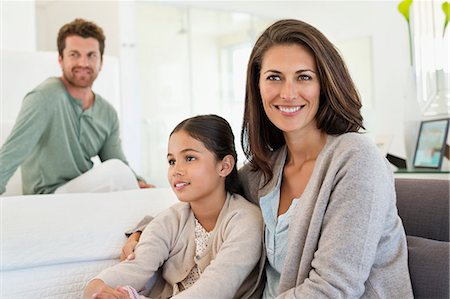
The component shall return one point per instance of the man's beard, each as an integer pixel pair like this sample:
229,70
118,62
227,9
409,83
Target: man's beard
80,80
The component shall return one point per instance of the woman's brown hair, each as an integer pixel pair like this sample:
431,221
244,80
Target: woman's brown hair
339,106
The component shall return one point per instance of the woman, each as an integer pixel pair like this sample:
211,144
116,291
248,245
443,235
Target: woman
327,195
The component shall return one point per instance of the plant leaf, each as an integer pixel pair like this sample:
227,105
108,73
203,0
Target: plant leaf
446,10
403,8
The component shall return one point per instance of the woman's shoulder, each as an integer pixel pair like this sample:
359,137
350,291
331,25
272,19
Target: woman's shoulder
353,138
356,153
353,143
248,173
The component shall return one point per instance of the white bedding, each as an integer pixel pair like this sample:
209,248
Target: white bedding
51,245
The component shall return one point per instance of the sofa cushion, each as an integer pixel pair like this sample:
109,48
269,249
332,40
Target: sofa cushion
43,230
423,206
429,267
53,244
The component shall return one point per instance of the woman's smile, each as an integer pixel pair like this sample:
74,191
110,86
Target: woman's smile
290,87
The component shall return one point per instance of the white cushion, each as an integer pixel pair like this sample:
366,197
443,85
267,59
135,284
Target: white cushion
50,237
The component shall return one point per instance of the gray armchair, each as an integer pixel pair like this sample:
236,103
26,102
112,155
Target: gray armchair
423,206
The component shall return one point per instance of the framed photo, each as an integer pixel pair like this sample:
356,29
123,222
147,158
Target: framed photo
431,142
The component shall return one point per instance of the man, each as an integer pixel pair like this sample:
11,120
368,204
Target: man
62,124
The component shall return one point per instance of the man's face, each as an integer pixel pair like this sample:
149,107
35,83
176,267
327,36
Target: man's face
81,61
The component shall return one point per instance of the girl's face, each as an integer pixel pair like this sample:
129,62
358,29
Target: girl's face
290,88
194,172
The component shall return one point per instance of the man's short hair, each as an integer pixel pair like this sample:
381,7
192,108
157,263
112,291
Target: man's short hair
81,28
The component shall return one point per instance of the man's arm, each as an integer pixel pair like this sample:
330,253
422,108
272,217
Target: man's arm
32,121
112,149
144,185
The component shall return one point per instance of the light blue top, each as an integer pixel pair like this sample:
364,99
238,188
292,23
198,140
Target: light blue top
276,238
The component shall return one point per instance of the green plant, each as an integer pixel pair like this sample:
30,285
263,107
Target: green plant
404,8
446,9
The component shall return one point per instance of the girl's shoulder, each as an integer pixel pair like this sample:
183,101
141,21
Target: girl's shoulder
240,206
177,212
239,218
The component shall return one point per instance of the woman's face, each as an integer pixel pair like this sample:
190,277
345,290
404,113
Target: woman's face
290,88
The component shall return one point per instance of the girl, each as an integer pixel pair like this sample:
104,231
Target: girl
207,245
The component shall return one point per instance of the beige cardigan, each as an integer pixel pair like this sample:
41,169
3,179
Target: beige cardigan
228,266
345,239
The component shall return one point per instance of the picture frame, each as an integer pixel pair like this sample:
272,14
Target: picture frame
431,143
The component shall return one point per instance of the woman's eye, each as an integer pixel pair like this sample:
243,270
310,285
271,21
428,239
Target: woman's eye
273,78
304,77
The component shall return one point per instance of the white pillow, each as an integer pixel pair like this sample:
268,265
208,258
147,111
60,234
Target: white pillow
51,229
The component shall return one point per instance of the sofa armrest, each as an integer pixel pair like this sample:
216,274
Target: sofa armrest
423,206
429,267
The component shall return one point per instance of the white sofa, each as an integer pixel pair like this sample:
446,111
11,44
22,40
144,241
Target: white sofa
51,245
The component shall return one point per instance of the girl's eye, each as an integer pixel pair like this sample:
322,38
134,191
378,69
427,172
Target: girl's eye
273,78
171,162
190,158
304,77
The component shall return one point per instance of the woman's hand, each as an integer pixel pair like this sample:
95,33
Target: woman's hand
128,249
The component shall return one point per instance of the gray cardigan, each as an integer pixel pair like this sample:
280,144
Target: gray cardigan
228,265
346,239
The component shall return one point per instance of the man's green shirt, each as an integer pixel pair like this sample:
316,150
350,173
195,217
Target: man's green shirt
54,139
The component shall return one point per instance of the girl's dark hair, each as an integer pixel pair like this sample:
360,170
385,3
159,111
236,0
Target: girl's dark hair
339,104
216,134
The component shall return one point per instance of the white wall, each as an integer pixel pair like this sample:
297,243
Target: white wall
161,88
51,15
342,21
18,25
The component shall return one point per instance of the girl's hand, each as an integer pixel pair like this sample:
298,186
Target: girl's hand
107,292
